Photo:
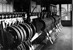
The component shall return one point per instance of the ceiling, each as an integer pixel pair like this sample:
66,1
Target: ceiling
44,1
53,1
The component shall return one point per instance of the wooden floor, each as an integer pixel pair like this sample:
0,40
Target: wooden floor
64,41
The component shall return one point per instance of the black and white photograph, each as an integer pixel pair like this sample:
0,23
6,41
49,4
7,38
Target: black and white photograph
36,25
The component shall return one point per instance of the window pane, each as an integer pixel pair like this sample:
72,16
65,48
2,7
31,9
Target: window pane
58,11
0,7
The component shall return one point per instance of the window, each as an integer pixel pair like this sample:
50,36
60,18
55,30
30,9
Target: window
66,11
4,7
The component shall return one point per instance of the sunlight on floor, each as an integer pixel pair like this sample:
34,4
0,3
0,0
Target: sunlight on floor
64,41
